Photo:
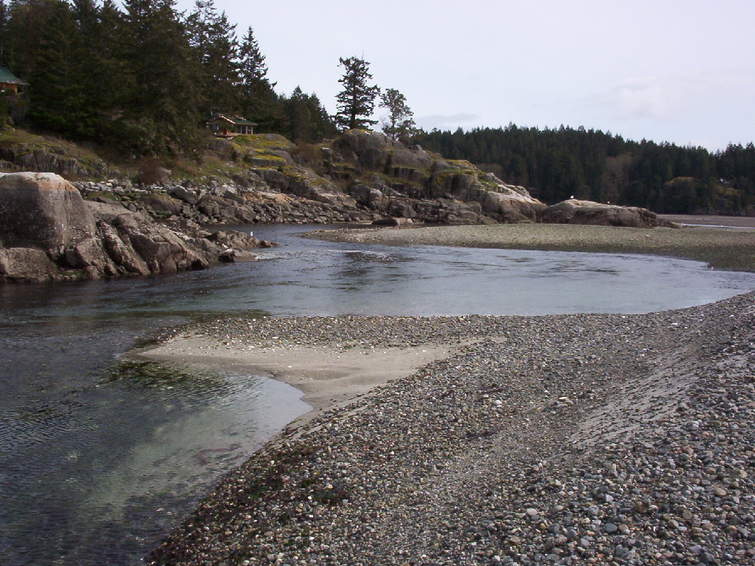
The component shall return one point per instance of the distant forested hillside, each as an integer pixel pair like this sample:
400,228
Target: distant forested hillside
558,163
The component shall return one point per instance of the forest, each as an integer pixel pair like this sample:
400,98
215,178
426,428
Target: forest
556,164
142,78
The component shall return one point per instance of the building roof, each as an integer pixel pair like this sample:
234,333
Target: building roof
7,77
237,120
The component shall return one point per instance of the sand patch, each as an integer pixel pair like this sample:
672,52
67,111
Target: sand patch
327,375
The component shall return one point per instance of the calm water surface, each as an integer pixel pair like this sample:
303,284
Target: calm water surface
94,470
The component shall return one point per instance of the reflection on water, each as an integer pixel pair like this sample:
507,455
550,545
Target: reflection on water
93,470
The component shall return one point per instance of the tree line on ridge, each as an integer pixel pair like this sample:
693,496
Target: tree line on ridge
557,164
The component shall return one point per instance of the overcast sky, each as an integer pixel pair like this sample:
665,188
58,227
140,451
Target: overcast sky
681,71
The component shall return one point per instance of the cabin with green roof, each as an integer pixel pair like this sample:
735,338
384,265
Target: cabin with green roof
10,83
225,126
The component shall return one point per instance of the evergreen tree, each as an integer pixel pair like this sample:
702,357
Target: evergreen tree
308,121
51,67
259,101
94,73
252,66
357,99
213,39
162,113
4,19
400,121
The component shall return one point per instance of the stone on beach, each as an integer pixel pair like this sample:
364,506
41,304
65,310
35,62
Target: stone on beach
422,471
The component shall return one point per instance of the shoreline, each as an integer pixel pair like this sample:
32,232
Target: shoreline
718,247
558,434
327,375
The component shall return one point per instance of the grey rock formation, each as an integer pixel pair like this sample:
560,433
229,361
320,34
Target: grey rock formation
422,176
32,157
575,211
49,232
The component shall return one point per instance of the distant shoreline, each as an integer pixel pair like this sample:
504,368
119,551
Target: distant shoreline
711,220
721,248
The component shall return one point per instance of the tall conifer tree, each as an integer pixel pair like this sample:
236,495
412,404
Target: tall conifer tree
213,39
252,66
163,106
4,18
357,99
259,100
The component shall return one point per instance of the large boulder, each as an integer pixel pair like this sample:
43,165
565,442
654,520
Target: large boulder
49,232
574,211
42,210
26,265
510,206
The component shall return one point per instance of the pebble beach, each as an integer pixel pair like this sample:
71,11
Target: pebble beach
567,439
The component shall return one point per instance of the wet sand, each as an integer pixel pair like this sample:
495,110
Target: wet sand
328,375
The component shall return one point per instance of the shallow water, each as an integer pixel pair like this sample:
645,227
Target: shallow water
95,470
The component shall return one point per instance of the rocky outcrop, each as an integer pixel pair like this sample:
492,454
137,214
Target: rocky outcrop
575,211
223,203
22,151
26,264
360,176
49,232
384,175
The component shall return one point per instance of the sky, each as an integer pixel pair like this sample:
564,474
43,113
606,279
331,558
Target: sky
666,70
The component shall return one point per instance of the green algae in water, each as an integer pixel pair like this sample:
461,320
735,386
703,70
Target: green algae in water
154,375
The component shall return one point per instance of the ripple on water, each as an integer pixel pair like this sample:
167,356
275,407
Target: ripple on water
123,471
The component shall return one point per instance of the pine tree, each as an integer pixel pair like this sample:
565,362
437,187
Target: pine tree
259,101
4,19
307,120
252,66
53,92
162,109
92,82
213,39
400,122
357,99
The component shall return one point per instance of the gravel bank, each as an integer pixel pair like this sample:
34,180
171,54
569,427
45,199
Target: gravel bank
711,220
721,248
574,439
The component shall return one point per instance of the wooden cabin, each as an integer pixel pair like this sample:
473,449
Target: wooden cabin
10,83
225,126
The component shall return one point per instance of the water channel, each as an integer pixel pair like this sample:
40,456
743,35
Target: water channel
96,468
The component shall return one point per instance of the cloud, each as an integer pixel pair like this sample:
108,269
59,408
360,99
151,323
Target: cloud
643,98
637,98
446,121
